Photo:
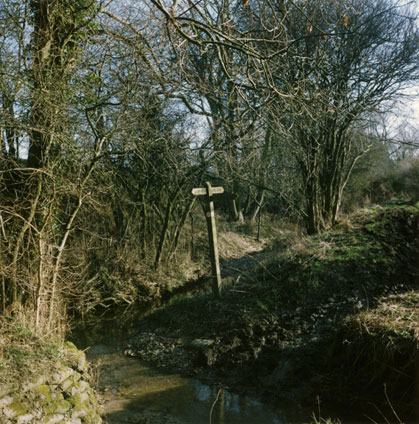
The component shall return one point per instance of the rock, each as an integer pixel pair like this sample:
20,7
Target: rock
43,392
16,408
61,374
56,418
57,407
80,387
38,381
27,418
71,381
77,357
5,401
61,395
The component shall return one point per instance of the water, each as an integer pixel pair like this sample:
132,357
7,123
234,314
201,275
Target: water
133,391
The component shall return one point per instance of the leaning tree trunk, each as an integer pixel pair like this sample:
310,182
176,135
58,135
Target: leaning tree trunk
265,163
171,203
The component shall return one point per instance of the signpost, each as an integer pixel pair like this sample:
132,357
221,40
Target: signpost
209,191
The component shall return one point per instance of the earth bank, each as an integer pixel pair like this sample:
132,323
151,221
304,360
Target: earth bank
333,318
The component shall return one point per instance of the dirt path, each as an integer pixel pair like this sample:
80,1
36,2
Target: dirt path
240,255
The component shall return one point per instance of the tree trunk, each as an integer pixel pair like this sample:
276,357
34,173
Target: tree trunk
181,225
19,240
265,163
257,205
168,215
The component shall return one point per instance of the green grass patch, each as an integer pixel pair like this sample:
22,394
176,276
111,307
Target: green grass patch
364,254
365,257
344,303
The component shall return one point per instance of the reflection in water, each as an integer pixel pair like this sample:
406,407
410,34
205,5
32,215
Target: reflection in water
131,388
233,404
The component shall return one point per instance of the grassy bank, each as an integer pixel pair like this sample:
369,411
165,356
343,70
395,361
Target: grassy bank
25,352
331,317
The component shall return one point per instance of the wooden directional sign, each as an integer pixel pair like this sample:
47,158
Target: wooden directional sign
212,233
199,191
210,192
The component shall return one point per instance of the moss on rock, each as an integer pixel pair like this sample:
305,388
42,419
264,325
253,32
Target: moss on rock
57,407
43,392
76,358
55,392
16,408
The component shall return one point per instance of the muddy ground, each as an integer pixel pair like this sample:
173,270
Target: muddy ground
280,329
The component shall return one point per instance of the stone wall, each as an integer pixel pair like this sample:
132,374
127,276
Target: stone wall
63,395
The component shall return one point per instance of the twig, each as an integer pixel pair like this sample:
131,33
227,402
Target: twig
391,406
2,227
213,405
379,411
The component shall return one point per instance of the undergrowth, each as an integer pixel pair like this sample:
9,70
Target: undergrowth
382,345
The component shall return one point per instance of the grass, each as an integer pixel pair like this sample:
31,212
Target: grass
382,343
24,351
365,272
396,316
364,258
322,420
370,249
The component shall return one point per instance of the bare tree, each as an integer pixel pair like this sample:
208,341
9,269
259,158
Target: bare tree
320,65
362,53
41,204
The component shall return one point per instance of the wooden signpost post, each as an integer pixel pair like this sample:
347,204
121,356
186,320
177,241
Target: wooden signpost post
209,191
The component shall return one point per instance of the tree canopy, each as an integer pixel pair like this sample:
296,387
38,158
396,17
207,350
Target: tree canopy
112,111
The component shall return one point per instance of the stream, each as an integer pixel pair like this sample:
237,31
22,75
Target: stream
135,392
